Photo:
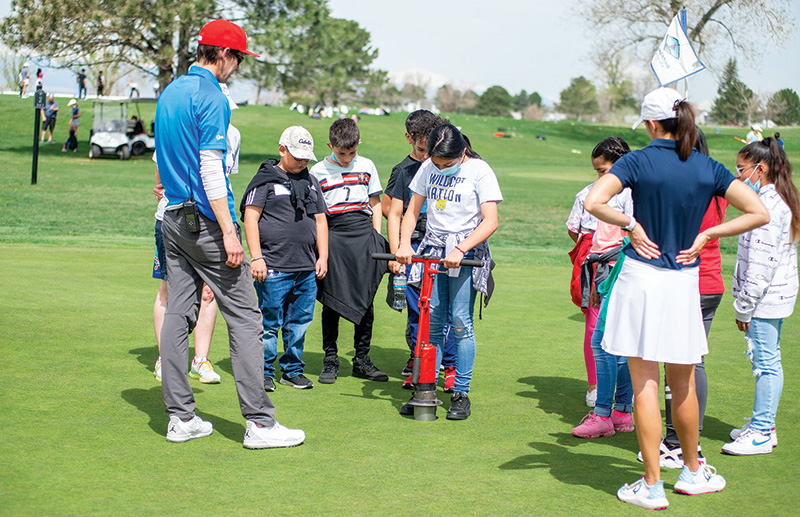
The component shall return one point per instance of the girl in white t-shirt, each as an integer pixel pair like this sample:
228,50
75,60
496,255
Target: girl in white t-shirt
462,194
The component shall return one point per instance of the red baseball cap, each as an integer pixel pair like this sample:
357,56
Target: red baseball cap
226,34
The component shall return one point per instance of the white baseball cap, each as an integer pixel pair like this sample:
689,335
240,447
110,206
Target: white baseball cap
227,93
660,104
299,142
72,102
757,127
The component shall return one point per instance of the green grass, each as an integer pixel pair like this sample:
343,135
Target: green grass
82,425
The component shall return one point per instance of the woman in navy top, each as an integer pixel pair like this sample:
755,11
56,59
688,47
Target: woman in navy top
654,309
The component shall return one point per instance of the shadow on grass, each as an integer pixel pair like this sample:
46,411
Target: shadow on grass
563,396
575,468
146,356
578,317
151,402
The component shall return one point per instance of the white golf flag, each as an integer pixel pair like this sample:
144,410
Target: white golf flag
675,57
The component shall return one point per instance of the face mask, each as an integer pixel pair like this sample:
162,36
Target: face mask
450,171
750,183
754,187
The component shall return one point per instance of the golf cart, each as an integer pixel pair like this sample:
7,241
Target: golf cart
114,132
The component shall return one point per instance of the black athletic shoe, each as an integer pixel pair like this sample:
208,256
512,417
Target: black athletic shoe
269,385
330,370
407,409
364,369
408,369
459,407
299,381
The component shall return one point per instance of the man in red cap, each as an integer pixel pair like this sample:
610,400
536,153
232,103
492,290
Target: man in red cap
203,242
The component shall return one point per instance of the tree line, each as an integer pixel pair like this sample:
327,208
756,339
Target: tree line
158,38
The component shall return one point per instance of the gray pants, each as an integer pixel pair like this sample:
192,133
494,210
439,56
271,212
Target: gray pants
194,258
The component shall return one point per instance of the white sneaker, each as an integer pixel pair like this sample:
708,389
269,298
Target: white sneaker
704,481
651,498
591,398
157,370
271,437
736,432
179,431
204,372
748,443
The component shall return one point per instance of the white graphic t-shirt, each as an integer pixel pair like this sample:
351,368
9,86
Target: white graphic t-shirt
454,202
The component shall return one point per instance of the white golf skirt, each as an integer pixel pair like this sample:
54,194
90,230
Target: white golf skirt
654,313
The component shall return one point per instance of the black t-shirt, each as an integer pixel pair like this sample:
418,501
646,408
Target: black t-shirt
288,236
398,187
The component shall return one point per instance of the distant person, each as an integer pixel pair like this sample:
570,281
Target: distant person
287,236
352,191
71,144
101,83
75,119
49,115
778,138
39,78
82,84
765,285
24,79
203,243
461,193
754,135
134,89
654,314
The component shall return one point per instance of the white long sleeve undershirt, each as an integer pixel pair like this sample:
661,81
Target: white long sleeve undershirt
212,172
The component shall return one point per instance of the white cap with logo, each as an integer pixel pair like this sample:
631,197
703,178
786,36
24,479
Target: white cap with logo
299,142
660,104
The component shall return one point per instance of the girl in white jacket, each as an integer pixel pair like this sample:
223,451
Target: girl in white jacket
765,285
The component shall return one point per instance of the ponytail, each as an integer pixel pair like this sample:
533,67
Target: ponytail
682,128
470,152
779,171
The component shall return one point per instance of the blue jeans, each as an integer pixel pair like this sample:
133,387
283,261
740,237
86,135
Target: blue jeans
764,351
613,378
287,302
412,323
454,297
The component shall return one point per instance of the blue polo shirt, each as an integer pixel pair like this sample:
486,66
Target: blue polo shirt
670,196
192,115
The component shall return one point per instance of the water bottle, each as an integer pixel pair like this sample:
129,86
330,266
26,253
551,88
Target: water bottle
399,285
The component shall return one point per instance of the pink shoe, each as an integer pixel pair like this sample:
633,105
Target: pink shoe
623,422
594,426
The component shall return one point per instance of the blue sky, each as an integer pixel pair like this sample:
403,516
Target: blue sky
519,44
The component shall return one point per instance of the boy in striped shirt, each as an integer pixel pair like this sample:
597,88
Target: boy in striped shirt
352,189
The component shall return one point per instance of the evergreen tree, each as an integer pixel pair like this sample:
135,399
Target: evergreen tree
579,98
784,107
496,102
734,98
